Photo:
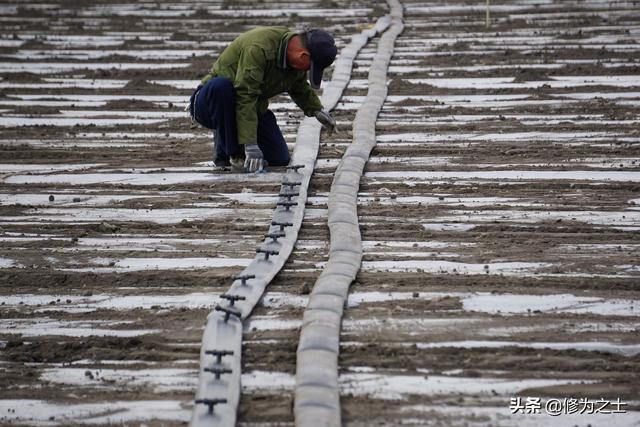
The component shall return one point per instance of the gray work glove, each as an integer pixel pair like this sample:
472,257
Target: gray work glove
327,121
254,159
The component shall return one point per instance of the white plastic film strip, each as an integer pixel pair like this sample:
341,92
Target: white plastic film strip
218,391
317,398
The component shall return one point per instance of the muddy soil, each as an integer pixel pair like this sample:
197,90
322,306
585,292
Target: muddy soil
111,234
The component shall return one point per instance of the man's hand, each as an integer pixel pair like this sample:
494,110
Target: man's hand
327,121
254,160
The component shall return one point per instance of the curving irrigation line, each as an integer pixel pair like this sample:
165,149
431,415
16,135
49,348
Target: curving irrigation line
218,389
317,398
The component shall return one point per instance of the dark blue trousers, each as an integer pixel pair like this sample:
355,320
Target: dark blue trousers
215,108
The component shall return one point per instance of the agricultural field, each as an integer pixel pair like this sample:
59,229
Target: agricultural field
499,214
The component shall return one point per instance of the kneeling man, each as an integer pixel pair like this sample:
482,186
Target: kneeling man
233,99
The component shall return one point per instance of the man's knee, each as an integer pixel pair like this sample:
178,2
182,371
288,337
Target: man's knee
222,87
275,152
281,160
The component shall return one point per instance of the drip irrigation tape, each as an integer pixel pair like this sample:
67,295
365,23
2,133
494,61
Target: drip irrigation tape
317,398
218,389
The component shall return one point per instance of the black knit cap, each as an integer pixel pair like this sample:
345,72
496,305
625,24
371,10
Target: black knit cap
323,52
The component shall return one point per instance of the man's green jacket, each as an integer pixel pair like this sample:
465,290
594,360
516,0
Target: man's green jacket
256,63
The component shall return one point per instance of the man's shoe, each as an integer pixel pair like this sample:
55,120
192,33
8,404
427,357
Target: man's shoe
220,160
221,163
237,164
